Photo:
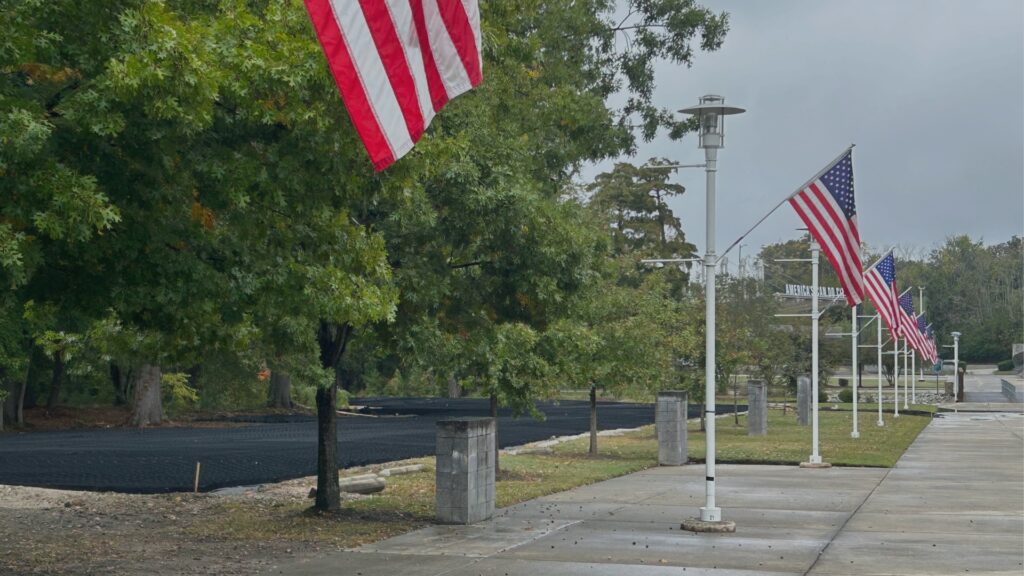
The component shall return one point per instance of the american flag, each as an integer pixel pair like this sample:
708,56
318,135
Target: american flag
908,323
828,207
397,63
880,281
933,344
926,339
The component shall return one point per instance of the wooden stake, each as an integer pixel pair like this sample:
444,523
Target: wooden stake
195,485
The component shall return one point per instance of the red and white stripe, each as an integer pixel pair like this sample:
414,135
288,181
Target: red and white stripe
839,237
883,296
908,330
397,63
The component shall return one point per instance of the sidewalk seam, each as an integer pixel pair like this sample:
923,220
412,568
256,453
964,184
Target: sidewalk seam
848,518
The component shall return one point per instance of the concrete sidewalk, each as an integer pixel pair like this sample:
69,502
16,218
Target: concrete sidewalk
954,504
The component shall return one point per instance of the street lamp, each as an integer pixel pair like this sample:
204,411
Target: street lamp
710,112
956,366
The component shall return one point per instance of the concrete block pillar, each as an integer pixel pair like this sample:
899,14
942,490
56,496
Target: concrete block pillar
757,408
670,422
803,400
465,470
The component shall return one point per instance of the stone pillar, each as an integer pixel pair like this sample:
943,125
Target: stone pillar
670,421
803,400
757,408
465,470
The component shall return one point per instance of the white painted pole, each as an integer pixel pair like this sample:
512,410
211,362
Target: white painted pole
710,512
853,379
956,366
906,352
913,376
815,455
896,378
878,321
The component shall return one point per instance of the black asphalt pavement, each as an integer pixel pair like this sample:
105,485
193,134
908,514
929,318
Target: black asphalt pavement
163,459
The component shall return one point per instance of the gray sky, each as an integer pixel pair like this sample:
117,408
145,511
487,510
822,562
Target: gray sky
930,91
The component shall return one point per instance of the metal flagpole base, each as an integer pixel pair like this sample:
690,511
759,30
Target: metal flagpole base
815,465
710,526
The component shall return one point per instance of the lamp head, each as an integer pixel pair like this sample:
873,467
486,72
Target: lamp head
955,335
711,112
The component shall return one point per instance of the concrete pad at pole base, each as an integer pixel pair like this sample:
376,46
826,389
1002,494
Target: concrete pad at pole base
714,527
815,465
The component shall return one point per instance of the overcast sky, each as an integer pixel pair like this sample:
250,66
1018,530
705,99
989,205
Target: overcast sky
930,91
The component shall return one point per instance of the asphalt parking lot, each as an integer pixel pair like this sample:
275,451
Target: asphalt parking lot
275,448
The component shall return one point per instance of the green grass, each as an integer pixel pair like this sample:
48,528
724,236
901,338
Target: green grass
408,501
789,443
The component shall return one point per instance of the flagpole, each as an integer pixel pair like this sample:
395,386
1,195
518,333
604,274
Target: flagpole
878,318
786,199
853,380
913,376
896,377
906,352
814,461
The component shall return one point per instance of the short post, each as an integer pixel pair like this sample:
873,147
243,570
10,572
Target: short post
465,470
803,400
757,408
670,421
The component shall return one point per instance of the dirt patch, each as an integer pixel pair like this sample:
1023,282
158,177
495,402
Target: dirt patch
46,532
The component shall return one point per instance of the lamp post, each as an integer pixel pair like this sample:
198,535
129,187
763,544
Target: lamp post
711,112
956,365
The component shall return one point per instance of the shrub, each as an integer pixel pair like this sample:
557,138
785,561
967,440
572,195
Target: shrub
822,395
1005,366
846,395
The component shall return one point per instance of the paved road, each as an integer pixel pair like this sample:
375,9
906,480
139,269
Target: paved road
952,505
164,459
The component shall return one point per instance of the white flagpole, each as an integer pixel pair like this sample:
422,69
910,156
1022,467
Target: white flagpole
853,380
906,352
878,320
896,377
815,454
913,376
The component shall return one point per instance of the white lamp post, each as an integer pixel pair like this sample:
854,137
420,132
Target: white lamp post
711,113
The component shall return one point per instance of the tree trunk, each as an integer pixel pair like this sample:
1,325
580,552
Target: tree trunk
332,339
119,380
454,390
593,420
147,407
328,493
58,376
497,451
14,406
279,393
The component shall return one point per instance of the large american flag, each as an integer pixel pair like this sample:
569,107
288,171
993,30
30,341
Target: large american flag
908,323
397,63
880,282
828,207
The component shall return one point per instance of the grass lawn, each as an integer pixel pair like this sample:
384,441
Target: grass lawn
789,443
408,501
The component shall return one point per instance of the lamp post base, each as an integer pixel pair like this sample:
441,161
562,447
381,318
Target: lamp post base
815,465
880,423
712,526
854,434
